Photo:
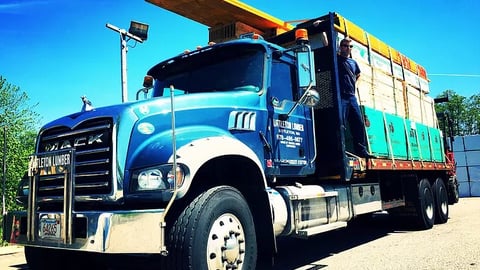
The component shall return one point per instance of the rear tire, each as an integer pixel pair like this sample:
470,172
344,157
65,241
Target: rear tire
441,201
425,205
453,194
216,231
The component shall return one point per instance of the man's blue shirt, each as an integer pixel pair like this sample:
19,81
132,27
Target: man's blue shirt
347,81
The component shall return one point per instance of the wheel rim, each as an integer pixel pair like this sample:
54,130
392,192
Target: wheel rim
428,203
226,243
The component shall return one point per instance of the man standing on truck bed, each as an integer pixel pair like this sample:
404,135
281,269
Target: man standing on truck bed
349,72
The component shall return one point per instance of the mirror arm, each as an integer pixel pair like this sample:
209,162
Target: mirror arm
284,116
144,90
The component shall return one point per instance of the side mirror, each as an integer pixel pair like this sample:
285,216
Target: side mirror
305,67
305,73
310,98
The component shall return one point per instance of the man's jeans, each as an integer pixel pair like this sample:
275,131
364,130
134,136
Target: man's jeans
351,113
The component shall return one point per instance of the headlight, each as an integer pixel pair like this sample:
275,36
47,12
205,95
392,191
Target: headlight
150,179
158,178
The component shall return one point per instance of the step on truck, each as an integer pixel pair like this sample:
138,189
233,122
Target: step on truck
240,143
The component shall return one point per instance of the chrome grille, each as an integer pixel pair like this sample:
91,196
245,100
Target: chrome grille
92,141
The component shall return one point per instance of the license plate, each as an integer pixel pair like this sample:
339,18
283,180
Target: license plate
50,227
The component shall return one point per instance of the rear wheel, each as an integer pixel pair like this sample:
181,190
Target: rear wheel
425,205
216,231
453,195
441,201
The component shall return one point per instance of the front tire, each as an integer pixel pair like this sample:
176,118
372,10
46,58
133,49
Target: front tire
441,201
215,231
425,205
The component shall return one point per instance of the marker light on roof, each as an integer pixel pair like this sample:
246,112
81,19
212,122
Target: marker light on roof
256,36
301,34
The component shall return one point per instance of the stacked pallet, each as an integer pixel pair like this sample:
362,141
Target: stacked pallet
393,93
467,155
390,81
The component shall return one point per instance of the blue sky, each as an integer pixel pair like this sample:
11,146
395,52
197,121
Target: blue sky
59,50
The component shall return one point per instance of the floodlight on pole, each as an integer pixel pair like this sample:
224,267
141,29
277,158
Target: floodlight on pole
138,32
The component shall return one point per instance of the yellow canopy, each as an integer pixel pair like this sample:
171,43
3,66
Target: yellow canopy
222,12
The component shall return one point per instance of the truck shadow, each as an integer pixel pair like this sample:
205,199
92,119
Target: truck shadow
294,253
23,266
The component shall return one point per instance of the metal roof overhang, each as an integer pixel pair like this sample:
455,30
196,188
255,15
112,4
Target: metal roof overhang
221,12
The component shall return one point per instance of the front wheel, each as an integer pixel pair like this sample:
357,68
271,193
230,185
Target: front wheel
215,231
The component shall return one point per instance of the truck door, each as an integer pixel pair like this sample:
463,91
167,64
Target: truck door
292,139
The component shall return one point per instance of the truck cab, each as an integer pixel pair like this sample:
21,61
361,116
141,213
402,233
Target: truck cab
261,80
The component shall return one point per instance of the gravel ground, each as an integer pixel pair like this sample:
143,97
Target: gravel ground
377,243
383,243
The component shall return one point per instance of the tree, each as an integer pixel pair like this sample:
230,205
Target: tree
17,132
473,115
464,112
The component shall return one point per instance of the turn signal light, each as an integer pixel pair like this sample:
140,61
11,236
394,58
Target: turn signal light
148,81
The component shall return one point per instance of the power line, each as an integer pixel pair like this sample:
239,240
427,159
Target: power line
454,75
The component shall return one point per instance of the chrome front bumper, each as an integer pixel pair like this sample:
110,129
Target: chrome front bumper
136,231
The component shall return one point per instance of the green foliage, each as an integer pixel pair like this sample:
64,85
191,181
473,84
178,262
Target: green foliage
17,138
473,115
464,112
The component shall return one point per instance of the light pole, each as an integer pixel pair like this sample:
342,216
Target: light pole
138,32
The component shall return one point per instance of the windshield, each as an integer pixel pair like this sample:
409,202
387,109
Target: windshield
224,68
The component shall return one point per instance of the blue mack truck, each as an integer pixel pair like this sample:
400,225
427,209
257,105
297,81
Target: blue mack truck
241,143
